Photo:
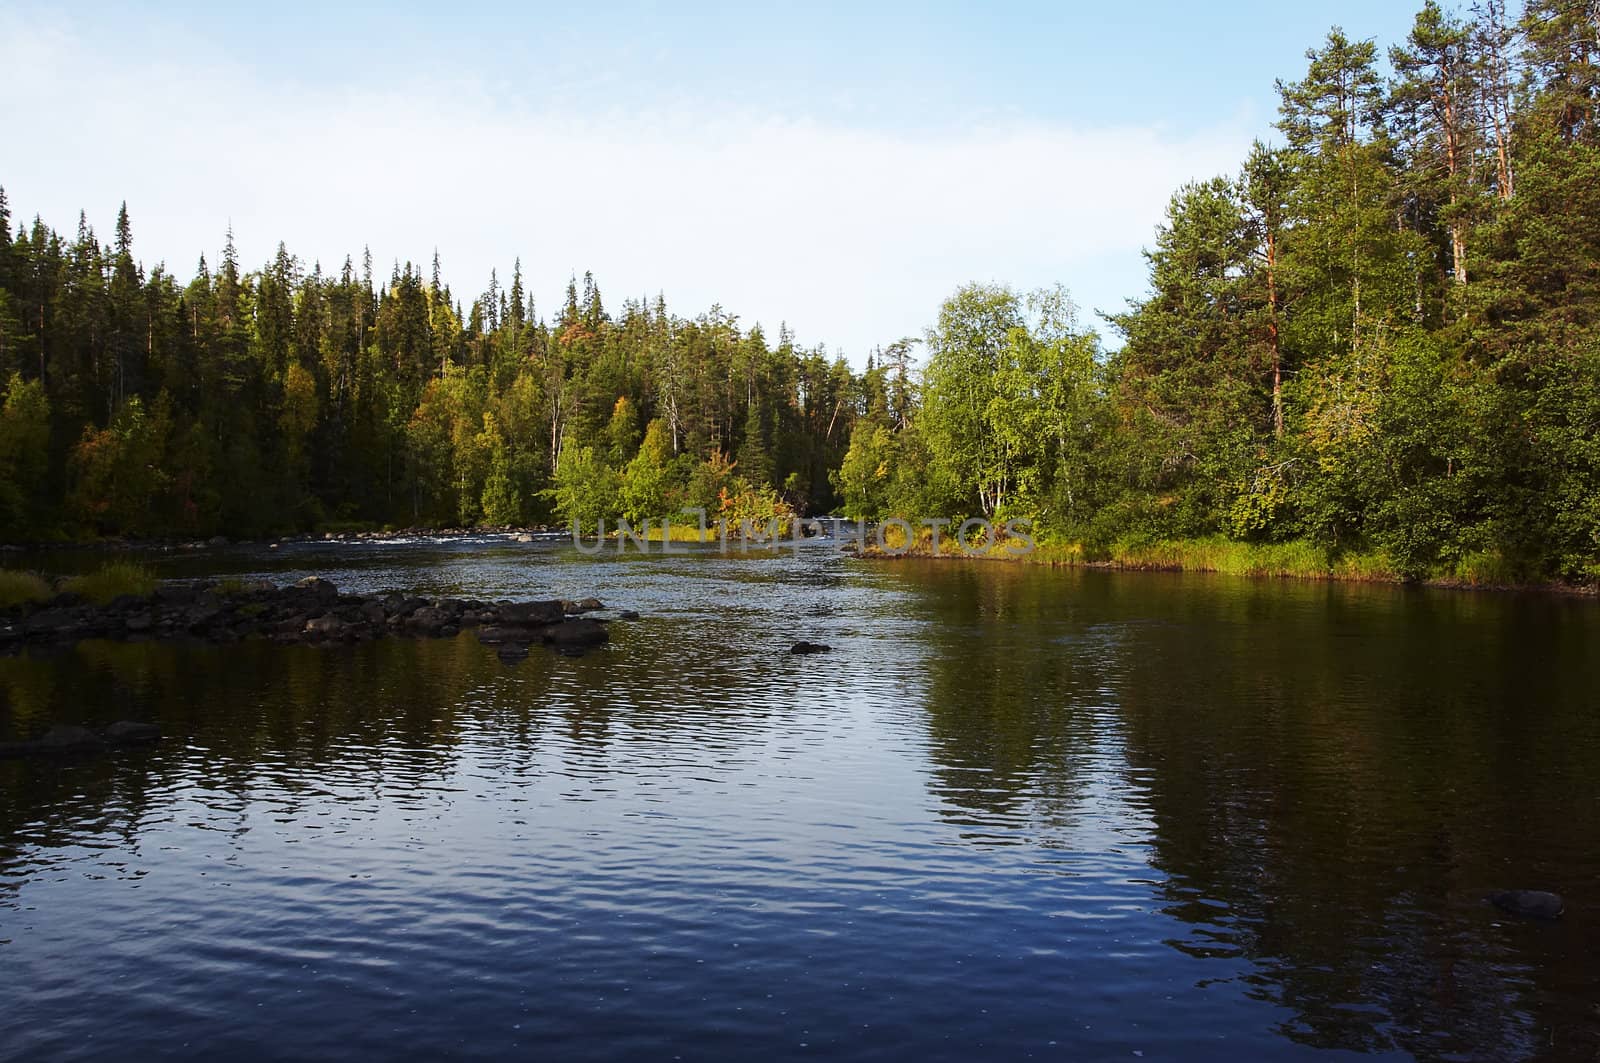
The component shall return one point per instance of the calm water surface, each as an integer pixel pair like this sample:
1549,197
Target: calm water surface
1016,814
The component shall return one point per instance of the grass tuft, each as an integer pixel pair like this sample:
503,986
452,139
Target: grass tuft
112,581
17,586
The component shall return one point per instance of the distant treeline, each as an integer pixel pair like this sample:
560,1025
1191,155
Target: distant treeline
286,398
1378,340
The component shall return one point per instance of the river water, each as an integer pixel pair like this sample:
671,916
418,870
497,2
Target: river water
1015,814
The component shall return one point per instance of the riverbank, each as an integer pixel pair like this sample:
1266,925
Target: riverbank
1292,560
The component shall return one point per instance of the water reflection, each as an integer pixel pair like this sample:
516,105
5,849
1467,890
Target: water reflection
1014,811
1333,778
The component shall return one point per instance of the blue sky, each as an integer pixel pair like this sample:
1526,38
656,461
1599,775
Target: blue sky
840,166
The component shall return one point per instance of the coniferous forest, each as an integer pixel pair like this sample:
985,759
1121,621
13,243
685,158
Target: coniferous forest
1377,339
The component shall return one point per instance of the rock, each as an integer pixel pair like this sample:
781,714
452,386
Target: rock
324,627
627,614
176,593
810,647
217,540
322,589
410,605
140,622
1534,904
575,633
132,732
66,738
586,605
428,620
528,614
512,653
53,621
522,538
495,634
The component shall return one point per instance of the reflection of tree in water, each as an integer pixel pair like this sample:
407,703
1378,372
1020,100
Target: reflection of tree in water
1337,779
291,731
1016,703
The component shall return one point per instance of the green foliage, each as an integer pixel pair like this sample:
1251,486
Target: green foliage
585,489
17,587
277,399
112,581
24,457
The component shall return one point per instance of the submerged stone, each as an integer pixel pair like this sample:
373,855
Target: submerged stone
1532,904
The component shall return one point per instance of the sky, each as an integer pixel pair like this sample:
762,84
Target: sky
839,167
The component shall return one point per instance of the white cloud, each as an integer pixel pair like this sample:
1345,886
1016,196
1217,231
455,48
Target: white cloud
853,235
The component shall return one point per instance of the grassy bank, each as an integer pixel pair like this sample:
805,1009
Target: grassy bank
1289,560
100,586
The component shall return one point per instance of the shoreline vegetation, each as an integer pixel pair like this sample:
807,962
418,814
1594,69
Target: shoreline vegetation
1294,560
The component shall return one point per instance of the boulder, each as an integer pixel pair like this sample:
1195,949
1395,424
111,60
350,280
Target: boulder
575,633
627,614
53,621
321,589
586,605
132,732
428,620
495,634
512,653
327,627
528,614
67,738
1532,904
810,647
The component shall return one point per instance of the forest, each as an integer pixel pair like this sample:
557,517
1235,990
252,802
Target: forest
1375,345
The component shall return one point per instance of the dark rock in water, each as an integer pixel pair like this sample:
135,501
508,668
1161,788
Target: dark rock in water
327,627
310,611
627,614
528,614
512,653
132,732
323,590
1534,904
66,738
810,647
576,633
428,620
217,540
585,605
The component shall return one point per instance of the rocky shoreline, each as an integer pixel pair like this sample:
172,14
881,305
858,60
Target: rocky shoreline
310,611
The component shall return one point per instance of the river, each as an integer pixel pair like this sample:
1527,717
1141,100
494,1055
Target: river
1016,813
